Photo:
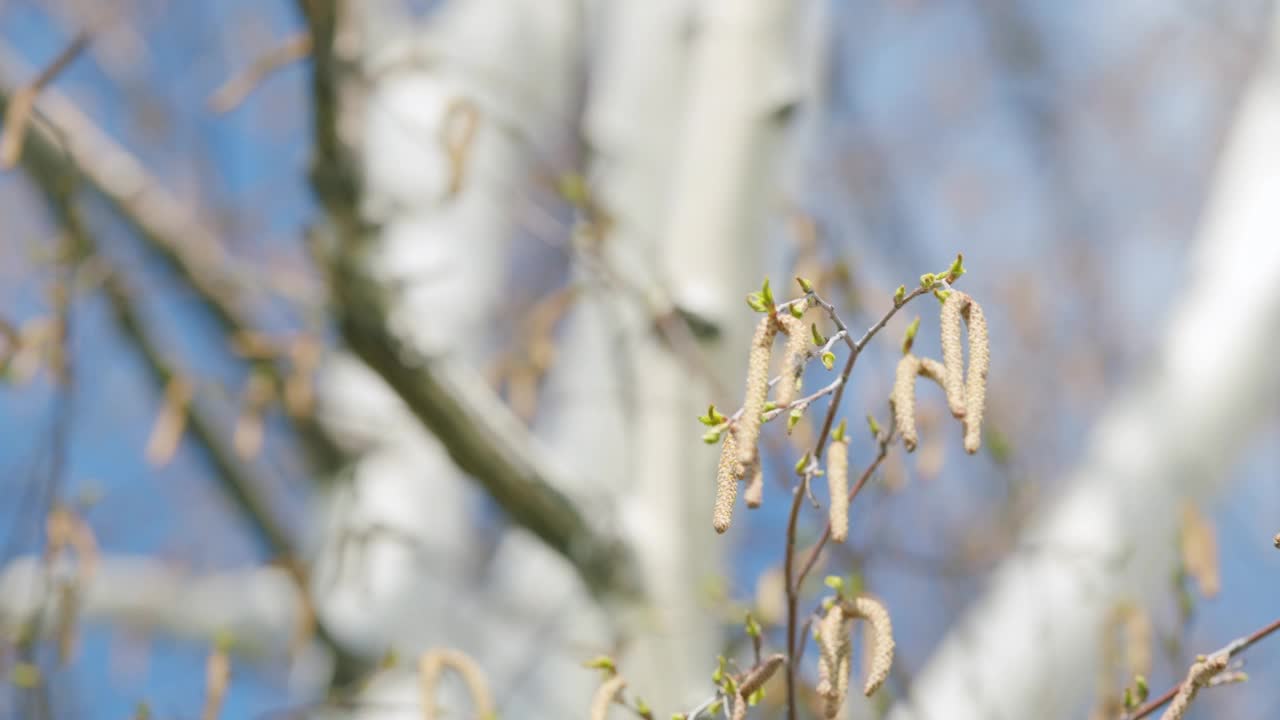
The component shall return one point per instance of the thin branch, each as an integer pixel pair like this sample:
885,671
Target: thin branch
1231,649
231,93
798,494
18,114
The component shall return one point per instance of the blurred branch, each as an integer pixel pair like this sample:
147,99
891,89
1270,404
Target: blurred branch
259,607
241,481
18,114
71,142
234,91
482,436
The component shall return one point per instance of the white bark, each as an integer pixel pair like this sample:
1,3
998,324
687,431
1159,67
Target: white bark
1028,646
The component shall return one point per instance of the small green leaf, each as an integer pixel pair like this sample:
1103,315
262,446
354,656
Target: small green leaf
942,295
873,425
1129,701
805,285
756,302
838,434
828,360
899,295
601,662
711,437
770,405
718,675
715,707
766,294
802,463
755,697
956,269
1143,690
835,582
927,280
818,338
642,707
752,627
793,418
797,308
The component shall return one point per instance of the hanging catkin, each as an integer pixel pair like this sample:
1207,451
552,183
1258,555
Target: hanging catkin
747,427
838,486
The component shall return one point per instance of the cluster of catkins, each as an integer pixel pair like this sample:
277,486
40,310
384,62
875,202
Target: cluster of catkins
740,453
834,650
966,394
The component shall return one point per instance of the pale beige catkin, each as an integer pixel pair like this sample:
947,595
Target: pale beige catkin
747,427
877,616
727,474
605,695
793,356
754,496
432,665
838,486
975,390
1197,677
833,660
953,352
903,400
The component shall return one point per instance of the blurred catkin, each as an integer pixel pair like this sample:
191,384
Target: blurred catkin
604,696
430,667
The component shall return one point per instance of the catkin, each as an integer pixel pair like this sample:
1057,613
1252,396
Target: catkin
975,390
953,353
903,400
432,664
754,495
748,425
604,696
838,486
760,674
727,475
833,660
792,359
1200,550
873,612
217,676
1199,676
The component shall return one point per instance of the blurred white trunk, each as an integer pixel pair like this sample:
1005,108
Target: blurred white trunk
1028,646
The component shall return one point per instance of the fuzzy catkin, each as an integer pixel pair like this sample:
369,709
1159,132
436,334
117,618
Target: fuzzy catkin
604,696
727,474
903,400
838,486
792,359
953,353
431,666
975,390
873,612
748,425
760,674
217,677
1199,676
754,496
833,660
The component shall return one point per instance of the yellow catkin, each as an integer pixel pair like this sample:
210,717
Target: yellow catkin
792,359
727,475
903,400
838,486
873,612
833,660
1137,641
953,352
431,666
1199,676
604,696
975,388
217,677
748,426
1200,550
760,674
754,495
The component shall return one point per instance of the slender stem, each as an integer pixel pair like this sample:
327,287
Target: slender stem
792,586
1233,648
